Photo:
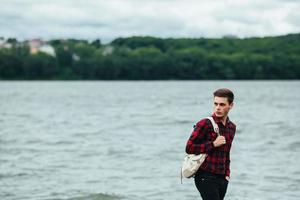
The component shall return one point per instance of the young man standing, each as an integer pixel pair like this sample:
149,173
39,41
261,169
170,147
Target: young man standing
213,175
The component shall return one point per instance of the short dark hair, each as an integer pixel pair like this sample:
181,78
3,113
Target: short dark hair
224,92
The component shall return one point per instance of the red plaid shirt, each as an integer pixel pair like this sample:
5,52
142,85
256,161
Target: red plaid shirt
201,141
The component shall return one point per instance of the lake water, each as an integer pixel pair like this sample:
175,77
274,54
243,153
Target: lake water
126,140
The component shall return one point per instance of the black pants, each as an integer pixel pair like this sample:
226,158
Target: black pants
211,186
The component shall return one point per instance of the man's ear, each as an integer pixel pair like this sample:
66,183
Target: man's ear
231,105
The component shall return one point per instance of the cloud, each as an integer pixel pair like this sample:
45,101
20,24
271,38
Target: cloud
293,16
92,19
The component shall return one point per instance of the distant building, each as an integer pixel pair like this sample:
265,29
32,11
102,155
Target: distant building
48,49
108,50
75,57
4,44
34,45
37,45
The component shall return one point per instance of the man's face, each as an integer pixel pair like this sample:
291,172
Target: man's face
221,106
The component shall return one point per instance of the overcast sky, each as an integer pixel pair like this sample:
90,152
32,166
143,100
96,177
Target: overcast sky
109,19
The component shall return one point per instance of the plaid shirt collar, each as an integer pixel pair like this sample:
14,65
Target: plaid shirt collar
218,120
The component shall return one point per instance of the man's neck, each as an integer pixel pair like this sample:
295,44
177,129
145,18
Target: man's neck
223,120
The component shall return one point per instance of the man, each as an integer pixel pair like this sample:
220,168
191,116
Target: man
213,175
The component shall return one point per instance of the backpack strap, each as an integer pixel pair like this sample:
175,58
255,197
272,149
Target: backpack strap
215,125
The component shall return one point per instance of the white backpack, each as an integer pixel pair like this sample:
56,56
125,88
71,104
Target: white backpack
192,162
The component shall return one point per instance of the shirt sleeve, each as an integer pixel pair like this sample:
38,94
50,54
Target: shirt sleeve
194,146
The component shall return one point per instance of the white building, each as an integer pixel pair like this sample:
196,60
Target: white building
37,45
48,49
4,44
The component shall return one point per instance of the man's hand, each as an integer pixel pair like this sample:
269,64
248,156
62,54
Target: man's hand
227,178
219,141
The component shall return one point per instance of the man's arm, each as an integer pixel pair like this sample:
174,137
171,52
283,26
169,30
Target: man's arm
199,132
227,166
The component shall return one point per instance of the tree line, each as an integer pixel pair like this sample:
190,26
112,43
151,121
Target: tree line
150,58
